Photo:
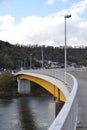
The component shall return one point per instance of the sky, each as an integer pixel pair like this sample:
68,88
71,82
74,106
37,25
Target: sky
42,22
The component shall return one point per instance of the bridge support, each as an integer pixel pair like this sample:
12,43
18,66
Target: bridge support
23,86
54,109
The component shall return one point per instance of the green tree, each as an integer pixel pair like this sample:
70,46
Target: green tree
7,83
7,61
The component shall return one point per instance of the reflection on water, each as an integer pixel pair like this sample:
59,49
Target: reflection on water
30,113
26,115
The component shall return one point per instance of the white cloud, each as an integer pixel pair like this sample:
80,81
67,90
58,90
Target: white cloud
47,30
50,2
7,22
79,8
64,0
32,29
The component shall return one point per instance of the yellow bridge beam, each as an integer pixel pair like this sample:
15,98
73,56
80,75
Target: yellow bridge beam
54,90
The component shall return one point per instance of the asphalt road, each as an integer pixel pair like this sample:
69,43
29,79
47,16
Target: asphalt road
82,99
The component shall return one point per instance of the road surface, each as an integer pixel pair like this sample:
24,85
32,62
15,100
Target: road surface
82,99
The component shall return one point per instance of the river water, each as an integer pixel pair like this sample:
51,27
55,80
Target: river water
26,113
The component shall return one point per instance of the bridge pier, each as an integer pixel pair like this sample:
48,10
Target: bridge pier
54,109
23,86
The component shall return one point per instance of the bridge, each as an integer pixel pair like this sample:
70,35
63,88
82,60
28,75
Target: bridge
65,92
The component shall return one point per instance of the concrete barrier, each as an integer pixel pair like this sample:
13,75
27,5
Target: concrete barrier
67,117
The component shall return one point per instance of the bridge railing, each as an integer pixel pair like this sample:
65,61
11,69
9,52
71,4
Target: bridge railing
67,118
57,73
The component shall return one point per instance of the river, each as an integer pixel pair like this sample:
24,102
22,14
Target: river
26,113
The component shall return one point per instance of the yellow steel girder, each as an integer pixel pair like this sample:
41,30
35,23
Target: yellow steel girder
54,90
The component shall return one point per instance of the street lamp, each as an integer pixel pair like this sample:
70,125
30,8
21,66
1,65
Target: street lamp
31,61
42,55
25,63
66,16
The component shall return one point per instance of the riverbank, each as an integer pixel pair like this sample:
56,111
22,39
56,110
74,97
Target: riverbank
9,87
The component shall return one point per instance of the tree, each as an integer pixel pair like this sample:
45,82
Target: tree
7,61
7,83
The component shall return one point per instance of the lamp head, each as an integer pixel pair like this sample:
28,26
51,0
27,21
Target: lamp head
68,16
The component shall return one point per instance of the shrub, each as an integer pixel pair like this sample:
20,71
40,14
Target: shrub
7,83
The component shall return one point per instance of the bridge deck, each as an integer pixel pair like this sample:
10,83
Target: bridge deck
52,80
82,99
56,73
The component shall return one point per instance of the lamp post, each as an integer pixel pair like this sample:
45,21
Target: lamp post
66,16
24,63
42,55
31,61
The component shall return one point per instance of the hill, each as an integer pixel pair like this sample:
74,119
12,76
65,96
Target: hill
16,56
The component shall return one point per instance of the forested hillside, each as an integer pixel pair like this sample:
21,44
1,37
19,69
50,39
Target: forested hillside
16,56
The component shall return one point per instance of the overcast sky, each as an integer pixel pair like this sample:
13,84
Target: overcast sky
42,22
